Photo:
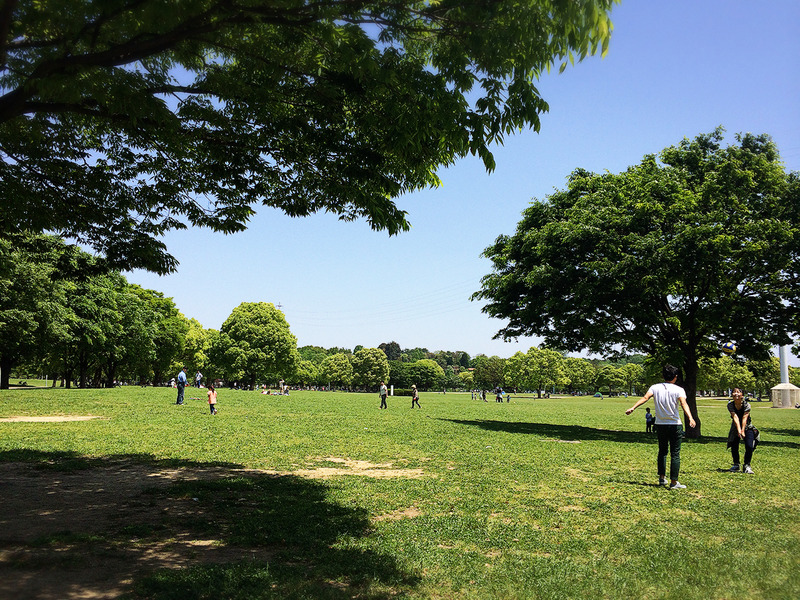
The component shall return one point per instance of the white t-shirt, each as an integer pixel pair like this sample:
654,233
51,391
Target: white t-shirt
665,397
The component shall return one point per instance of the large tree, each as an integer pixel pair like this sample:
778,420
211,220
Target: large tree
123,119
31,303
336,369
391,349
676,255
370,367
169,334
427,373
488,373
255,343
580,374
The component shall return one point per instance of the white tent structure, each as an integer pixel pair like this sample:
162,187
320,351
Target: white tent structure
785,395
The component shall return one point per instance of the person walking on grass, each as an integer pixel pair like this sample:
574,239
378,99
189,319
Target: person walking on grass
414,397
384,392
667,396
181,385
212,398
742,429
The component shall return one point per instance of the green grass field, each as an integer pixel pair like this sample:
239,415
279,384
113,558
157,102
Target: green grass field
545,499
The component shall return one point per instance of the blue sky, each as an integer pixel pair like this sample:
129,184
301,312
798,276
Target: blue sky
673,70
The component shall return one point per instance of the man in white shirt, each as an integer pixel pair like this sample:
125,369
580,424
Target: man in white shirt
669,429
384,392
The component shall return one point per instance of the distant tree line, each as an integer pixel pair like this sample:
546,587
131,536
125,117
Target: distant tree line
65,316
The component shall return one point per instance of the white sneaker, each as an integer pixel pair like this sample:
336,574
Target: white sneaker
677,486
662,481
748,470
734,469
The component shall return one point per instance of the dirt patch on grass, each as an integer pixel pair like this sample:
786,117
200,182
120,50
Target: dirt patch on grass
407,513
347,466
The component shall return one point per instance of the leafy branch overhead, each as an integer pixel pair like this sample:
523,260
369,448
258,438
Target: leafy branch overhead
121,120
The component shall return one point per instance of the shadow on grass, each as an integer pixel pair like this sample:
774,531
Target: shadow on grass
84,527
567,433
788,432
573,433
765,440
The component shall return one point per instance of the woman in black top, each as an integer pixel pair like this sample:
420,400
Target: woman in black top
742,429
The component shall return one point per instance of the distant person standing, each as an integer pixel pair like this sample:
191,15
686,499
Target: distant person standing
181,385
414,397
384,392
649,419
742,429
667,396
212,398
198,378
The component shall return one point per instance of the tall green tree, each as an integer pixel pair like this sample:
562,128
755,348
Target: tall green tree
370,367
314,354
414,354
305,374
401,374
633,375
427,373
336,369
255,343
196,348
31,302
121,120
516,371
546,369
580,374
467,380
723,374
488,372
130,346
95,327
611,377
169,333
671,258
766,374
391,349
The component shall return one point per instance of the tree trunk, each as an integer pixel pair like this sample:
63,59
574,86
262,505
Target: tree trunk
5,371
83,368
111,370
690,370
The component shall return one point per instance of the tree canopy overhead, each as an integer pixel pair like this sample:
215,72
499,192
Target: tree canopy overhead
673,257
123,119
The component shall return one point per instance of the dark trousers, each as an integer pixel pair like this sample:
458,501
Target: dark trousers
383,402
749,446
669,440
180,394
